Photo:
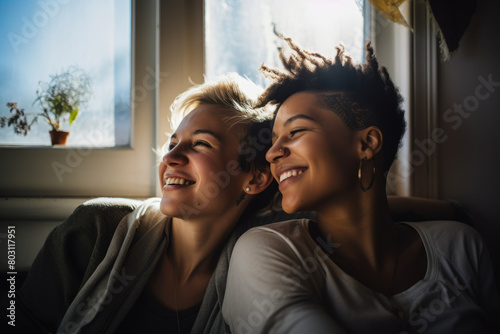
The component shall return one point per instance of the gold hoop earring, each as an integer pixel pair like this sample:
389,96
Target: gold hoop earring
360,176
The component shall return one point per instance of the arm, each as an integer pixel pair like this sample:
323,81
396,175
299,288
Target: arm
486,289
424,209
264,295
70,254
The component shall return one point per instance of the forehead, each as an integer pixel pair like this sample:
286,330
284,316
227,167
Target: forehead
348,106
304,103
205,115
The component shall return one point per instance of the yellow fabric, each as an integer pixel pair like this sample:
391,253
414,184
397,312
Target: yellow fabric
390,9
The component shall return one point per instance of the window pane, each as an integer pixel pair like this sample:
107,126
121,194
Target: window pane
239,33
43,38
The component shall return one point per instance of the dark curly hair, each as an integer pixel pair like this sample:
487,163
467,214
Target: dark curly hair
361,95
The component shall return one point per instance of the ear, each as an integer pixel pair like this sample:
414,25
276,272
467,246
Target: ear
371,141
260,181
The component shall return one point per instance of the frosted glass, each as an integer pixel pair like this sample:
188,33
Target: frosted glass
239,33
41,38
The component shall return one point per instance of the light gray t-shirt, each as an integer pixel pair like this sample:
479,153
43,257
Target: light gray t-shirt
281,281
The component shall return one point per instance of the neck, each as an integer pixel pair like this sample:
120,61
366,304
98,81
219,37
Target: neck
361,223
195,246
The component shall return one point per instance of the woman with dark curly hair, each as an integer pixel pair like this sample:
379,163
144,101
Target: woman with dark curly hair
336,132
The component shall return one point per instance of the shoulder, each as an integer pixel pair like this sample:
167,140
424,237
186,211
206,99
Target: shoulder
102,208
267,253
288,228
453,244
100,212
446,232
90,228
108,206
271,247
286,232
69,256
270,275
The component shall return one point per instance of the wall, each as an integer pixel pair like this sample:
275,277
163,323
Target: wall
469,158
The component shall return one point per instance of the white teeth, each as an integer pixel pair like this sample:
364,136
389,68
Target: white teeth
177,180
289,173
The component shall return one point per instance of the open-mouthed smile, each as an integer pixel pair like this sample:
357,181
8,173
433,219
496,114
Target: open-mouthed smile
290,173
178,181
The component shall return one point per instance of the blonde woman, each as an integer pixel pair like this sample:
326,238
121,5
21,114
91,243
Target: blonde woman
159,266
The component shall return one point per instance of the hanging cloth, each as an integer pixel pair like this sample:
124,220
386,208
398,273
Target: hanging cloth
390,9
450,19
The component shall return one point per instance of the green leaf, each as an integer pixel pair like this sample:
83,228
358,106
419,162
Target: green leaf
73,115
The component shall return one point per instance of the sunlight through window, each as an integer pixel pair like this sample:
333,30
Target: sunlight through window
44,38
240,35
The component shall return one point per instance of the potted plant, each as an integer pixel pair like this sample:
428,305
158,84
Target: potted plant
60,101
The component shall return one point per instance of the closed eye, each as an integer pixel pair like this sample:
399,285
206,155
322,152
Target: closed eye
295,131
171,146
202,143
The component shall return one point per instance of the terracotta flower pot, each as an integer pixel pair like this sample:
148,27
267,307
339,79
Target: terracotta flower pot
59,137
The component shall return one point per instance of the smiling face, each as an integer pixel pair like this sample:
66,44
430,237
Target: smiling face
314,156
200,174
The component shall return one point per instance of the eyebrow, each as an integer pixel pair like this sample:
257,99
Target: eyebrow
299,116
293,118
202,131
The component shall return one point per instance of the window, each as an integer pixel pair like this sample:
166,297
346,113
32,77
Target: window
29,171
43,38
240,35
173,45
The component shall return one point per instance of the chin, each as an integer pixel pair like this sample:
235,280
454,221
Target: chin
168,208
178,209
295,204
290,208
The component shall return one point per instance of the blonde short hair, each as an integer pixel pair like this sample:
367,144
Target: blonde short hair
236,96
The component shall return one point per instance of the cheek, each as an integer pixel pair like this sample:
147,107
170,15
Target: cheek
336,161
312,152
220,171
273,170
344,168
161,170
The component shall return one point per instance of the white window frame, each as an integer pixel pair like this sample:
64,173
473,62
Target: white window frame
424,121
412,60
393,48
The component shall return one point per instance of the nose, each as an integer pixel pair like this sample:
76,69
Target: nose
276,151
175,157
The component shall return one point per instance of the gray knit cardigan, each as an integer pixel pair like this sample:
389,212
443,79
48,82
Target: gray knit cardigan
93,267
